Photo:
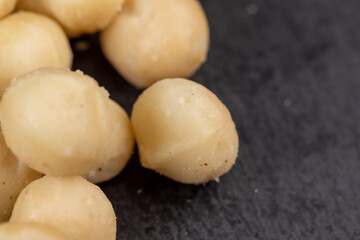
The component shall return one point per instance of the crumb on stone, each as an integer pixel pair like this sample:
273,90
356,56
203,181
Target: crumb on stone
252,9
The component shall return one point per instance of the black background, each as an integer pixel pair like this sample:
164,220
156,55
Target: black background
289,72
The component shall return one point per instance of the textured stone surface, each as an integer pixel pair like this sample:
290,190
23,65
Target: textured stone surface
289,71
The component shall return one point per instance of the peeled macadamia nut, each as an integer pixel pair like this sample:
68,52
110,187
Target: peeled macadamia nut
14,176
120,150
184,131
28,231
29,41
6,7
155,39
77,17
72,205
56,121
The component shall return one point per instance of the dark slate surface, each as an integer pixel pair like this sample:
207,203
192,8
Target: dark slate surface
289,71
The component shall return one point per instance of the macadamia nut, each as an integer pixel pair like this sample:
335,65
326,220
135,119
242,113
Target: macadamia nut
184,131
56,121
120,148
14,176
28,231
77,17
155,39
72,205
6,7
29,41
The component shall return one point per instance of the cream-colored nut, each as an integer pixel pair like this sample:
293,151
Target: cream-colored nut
28,231
6,7
29,41
155,39
77,17
120,147
14,176
72,205
184,131
56,121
